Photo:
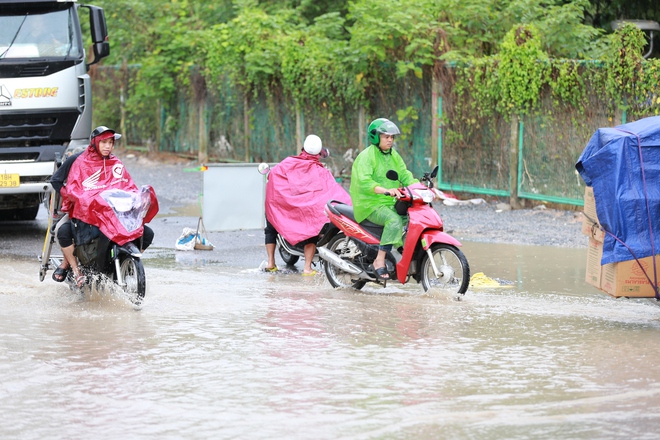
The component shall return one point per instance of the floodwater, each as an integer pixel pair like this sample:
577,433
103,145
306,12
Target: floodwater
217,352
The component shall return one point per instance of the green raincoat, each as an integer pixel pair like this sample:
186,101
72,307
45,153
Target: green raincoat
369,171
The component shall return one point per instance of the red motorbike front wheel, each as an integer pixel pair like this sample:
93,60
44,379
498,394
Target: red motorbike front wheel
448,272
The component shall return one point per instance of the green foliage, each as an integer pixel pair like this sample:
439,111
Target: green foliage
481,80
560,26
476,27
317,71
624,73
567,84
385,31
509,82
247,48
512,81
407,118
328,54
522,70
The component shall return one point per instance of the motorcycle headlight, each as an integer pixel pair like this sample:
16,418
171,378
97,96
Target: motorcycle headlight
426,194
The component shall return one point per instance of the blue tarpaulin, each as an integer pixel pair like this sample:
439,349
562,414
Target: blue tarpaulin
622,164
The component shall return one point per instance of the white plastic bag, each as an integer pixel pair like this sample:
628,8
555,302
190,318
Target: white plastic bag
186,242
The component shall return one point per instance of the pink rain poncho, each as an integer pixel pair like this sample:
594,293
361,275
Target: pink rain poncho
296,193
89,176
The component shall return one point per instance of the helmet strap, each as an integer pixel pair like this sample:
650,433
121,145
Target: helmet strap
385,152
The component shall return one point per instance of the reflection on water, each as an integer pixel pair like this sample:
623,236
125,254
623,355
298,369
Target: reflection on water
219,352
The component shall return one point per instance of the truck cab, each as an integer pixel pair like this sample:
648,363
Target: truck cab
45,95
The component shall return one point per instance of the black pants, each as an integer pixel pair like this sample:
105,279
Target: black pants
271,236
271,233
65,236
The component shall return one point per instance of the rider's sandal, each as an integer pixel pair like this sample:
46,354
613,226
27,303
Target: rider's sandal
80,280
60,274
381,272
271,269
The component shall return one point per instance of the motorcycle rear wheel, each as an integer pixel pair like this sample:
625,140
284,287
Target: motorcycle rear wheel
336,276
135,281
453,268
289,259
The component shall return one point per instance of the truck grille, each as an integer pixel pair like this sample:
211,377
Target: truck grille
36,129
30,71
28,156
31,68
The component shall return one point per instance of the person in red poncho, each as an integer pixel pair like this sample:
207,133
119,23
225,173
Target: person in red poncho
297,190
80,180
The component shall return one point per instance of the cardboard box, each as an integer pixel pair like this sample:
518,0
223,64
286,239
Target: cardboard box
590,224
623,279
594,269
627,278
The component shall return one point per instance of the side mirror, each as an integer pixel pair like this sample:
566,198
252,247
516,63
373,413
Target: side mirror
434,173
99,29
325,153
392,175
101,50
97,24
263,168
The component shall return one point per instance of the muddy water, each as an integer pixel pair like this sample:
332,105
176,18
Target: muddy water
219,352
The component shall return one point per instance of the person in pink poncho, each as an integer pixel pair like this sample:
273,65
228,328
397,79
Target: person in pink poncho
297,190
80,181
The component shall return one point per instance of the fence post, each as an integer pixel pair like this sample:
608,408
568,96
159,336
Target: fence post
156,146
123,87
246,126
203,152
434,121
300,128
362,132
514,201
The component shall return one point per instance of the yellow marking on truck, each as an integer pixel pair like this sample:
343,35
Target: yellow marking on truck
10,180
36,92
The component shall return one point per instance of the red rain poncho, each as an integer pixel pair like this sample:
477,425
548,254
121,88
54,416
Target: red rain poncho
296,193
89,176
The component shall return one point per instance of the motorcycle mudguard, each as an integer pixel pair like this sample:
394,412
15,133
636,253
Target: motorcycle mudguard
431,236
326,234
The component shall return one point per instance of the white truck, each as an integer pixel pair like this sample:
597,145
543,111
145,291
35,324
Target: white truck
45,95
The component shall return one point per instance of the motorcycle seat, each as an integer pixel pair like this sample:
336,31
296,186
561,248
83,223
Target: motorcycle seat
347,210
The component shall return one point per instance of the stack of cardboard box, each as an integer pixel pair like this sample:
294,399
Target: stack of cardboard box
625,278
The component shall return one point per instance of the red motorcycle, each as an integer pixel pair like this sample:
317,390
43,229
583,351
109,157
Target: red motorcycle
429,255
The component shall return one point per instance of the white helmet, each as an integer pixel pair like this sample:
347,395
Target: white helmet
312,144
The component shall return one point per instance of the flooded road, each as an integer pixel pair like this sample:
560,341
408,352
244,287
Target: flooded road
227,352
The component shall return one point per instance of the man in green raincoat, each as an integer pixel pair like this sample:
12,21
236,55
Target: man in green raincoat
373,194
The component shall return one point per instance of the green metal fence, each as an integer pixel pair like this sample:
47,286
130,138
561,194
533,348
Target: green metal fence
474,154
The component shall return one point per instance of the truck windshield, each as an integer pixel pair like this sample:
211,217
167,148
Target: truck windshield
39,35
